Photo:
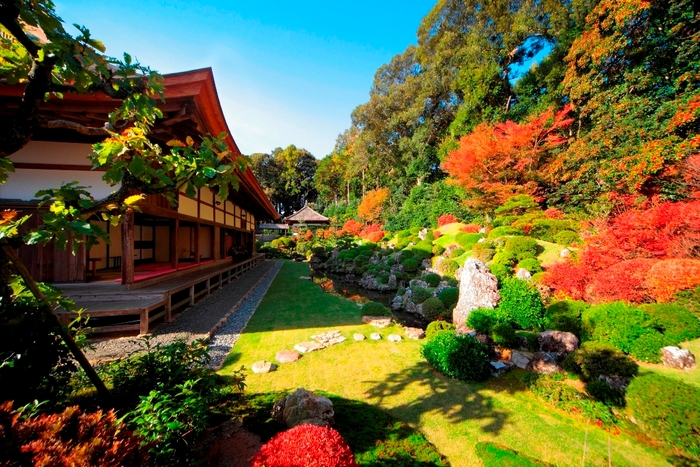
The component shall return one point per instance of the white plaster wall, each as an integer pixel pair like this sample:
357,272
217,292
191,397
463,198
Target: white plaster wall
24,183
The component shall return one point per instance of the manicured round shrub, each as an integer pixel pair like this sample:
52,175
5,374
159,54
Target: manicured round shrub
438,326
602,391
451,281
622,324
593,359
667,410
504,335
521,303
482,320
467,240
679,324
504,230
457,252
461,357
433,309
565,315
305,445
505,259
423,249
401,291
375,309
483,251
448,267
566,237
432,279
410,265
403,233
521,247
500,271
419,294
547,229
383,278
438,250
449,297
405,254
531,264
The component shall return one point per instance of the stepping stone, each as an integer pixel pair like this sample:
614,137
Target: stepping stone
359,337
263,367
287,356
375,336
414,333
377,321
329,338
306,347
305,278
394,338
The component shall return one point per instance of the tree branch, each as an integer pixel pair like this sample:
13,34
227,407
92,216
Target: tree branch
68,125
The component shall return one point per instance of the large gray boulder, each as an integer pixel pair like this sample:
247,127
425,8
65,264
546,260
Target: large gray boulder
557,341
478,288
303,407
676,357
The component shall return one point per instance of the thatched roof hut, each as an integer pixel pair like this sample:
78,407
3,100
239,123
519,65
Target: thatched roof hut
307,216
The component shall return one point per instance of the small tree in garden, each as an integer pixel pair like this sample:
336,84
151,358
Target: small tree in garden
371,206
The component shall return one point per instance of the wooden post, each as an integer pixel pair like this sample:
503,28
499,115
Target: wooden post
143,322
192,295
173,243
168,308
197,259
128,248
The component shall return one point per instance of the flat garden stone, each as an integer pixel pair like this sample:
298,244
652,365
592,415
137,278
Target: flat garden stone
544,364
676,357
375,336
414,333
377,321
287,356
394,338
329,338
306,347
263,367
359,337
305,278
303,407
521,359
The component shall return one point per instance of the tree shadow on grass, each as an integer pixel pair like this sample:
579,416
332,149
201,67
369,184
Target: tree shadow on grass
377,438
456,400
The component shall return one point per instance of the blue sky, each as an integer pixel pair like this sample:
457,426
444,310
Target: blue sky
286,72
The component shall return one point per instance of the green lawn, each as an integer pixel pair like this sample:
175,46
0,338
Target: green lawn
452,414
687,376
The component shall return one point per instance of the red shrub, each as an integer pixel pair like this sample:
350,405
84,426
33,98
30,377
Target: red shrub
673,275
352,227
437,234
625,280
372,232
446,219
568,279
308,235
553,213
70,438
307,446
328,233
471,228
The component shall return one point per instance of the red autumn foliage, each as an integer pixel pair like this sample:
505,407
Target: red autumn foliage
308,235
372,232
553,213
471,228
352,227
446,219
495,162
370,208
70,438
437,234
639,255
670,276
307,446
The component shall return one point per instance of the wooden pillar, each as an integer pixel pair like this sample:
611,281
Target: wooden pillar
196,243
174,235
217,244
128,248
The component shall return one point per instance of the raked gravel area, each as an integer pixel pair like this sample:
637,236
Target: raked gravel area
221,316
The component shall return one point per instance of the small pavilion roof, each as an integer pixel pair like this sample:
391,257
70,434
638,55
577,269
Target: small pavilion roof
307,215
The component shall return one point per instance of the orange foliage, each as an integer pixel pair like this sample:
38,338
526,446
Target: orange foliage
498,161
446,219
625,280
471,228
670,276
370,208
352,227
553,213
308,235
372,232
437,234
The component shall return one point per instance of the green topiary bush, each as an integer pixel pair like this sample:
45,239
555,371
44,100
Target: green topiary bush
375,309
501,272
679,324
449,297
622,324
601,391
667,410
504,230
482,320
438,326
409,265
531,264
432,279
504,335
423,249
468,240
567,237
565,315
594,359
456,253
461,357
483,251
521,303
522,247
547,229
438,250
433,309
419,294
448,267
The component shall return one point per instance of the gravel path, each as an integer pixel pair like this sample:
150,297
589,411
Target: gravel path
207,318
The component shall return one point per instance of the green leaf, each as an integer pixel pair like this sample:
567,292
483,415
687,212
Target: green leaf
137,166
209,172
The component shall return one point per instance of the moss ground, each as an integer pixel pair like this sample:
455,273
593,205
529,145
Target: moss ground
452,414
